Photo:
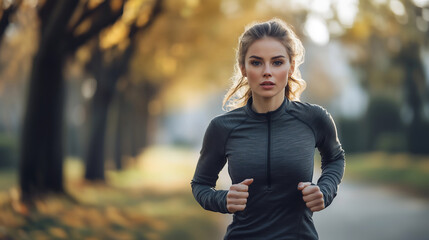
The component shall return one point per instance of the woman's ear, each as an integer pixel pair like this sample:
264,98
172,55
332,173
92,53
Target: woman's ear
243,71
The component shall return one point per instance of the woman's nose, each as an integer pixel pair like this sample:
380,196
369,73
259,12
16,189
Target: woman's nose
267,71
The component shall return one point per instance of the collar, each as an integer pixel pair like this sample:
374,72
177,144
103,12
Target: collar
264,116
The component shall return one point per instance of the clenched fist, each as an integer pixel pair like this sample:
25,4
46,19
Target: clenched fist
312,196
236,198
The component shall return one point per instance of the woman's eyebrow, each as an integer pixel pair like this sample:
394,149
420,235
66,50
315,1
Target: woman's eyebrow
253,56
279,56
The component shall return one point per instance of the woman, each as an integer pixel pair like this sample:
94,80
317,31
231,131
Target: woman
269,141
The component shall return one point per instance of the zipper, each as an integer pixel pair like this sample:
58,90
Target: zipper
269,151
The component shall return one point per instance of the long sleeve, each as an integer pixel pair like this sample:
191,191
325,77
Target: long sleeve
212,160
333,158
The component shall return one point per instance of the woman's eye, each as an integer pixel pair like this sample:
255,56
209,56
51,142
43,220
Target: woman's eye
255,63
278,63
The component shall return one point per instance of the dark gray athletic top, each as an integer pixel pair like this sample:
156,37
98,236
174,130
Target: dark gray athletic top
276,149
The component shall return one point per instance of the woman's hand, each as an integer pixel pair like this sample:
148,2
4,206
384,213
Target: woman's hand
312,196
236,198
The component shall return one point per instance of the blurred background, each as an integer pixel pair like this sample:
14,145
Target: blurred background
104,104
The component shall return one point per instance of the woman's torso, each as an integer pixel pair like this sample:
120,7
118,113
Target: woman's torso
276,150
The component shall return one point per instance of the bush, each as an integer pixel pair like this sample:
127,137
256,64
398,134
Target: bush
391,142
386,131
352,134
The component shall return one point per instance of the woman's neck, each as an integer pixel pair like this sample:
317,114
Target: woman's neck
264,105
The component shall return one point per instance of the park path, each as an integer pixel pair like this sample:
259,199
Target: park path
370,212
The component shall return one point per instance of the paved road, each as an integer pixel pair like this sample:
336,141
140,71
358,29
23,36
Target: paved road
367,212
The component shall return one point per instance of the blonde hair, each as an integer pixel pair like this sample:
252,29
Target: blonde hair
240,92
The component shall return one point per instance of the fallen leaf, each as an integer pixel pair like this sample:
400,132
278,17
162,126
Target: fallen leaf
58,232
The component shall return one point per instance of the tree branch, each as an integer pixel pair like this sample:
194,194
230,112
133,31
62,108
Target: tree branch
157,9
45,12
4,20
54,30
103,17
122,62
87,13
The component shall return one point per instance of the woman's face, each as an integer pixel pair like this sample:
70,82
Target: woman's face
267,67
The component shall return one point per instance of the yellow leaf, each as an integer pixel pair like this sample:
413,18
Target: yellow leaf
39,235
72,220
83,27
94,3
114,35
115,5
115,216
91,238
20,208
10,220
58,232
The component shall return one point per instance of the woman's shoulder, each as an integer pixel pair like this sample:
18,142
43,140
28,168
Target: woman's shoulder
230,119
314,115
308,110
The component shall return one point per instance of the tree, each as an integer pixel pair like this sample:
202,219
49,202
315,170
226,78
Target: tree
388,39
107,73
64,26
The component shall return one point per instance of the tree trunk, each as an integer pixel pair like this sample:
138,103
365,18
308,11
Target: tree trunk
414,77
103,96
149,91
41,166
42,143
99,111
107,77
41,160
119,129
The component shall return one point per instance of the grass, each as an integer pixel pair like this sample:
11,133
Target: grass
8,178
404,171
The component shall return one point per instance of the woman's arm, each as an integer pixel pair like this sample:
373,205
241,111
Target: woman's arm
212,160
333,158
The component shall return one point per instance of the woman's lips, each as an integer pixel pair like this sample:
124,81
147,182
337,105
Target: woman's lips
267,85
